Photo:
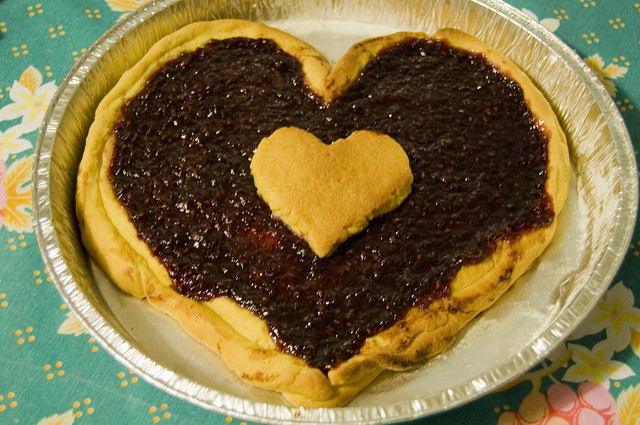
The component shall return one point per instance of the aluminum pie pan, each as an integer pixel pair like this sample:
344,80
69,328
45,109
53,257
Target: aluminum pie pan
542,308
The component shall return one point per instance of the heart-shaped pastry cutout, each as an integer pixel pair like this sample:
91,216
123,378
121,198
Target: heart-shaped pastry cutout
327,193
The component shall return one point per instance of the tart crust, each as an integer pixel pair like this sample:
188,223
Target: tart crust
242,339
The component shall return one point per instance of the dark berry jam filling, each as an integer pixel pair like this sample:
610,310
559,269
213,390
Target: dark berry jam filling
181,169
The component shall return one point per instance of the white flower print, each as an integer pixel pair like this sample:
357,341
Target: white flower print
30,100
12,143
615,314
65,418
551,24
595,365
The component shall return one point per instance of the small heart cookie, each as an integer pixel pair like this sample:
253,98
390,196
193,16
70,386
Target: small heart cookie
327,193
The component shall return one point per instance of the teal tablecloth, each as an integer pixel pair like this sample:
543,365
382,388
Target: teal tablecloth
53,372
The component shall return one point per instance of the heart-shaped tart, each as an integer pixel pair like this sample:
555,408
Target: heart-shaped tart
168,205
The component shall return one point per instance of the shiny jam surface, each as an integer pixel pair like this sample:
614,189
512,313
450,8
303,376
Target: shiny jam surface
181,169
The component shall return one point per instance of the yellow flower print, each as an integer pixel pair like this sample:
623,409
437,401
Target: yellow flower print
10,142
31,79
606,74
595,365
629,405
15,212
30,100
125,5
65,418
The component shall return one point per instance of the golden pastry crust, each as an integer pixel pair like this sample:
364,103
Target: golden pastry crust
241,338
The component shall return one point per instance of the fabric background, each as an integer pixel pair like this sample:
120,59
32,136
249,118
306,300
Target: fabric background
53,372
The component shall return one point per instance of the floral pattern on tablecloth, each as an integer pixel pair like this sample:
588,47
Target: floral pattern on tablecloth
54,372
593,372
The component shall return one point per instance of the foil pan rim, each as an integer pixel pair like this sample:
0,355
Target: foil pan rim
172,383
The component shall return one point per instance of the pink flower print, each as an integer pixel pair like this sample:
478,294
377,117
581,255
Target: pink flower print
562,399
595,398
534,409
592,405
